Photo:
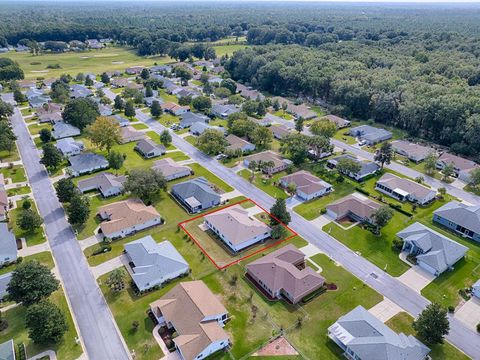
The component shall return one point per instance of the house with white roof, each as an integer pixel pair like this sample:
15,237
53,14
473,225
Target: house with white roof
154,264
236,228
434,252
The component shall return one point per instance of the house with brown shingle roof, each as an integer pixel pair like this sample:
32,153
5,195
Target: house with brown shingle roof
307,186
280,131
340,122
127,217
279,163
461,167
354,206
175,109
237,143
236,228
284,274
197,316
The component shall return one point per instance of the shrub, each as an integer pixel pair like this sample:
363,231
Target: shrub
397,244
363,191
451,309
478,327
323,211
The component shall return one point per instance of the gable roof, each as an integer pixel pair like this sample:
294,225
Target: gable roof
356,204
367,167
169,167
187,306
412,149
102,182
62,130
411,187
340,122
86,161
198,189
438,251
235,223
125,214
190,118
8,244
371,339
305,182
224,110
461,214
147,145
457,161
69,144
268,155
152,261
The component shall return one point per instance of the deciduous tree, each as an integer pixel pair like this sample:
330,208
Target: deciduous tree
212,142
65,189
384,154
51,157
156,109
80,112
78,210
46,323
104,133
145,184
432,324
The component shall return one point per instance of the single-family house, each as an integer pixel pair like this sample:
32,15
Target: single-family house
94,44
154,264
362,336
175,109
236,228
307,186
8,245
62,130
196,194
277,162
120,120
223,111
48,108
4,281
134,70
171,170
217,70
27,84
69,146
170,86
367,168
412,151
283,274
7,350
280,131
80,91
50,117
338,121
476,289
134,85
301,111
48,82
461,167
249,93
3,199
433,251
119,82
127,217
160,68
149,100
354,206
404,189
197,316
268,120
86,163
236,143
105,110
461,218
182,92
370,135
187,119
129,134
215,80
149,148
108,184
197,128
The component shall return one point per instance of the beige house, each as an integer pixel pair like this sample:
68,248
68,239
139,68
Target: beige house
197,316
412,151
284,274
3,199
171,170
354,206
340,122
279,163
236,143
236,228
462,167
130,134
307,186
404,189
127,217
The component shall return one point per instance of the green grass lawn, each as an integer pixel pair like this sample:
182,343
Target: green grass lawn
472,189
35,128
7,156
283,115
168,97
155,137
27,111
266,184
199,170
228,49
191,139
22,190
341,135
402,322
32,237
16,173
168,119
96,61
67,348
140,126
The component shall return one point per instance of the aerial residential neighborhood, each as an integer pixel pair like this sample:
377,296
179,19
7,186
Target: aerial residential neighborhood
227,180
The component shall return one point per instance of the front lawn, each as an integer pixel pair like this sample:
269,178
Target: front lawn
283,115
22,190
402,322
140,126
35,128
342,135
44,258
9,156
155,137
32,237
15,173
199,170
266,183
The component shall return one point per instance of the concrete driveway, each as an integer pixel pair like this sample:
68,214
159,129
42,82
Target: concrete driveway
469,313
385,310
416,278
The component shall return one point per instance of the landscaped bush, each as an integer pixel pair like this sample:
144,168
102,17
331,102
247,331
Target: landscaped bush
478,327
361,190
399,209
397,245
102,249
323,211
451,309
314,294
412,259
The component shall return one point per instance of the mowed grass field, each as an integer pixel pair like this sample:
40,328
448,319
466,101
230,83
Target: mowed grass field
94,61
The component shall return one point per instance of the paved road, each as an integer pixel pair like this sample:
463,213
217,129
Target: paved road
405,297
97,327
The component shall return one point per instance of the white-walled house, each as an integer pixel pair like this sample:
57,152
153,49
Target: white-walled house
8,245
307,186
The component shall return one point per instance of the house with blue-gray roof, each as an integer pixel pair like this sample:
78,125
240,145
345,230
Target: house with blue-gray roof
370,135
196,194
461,218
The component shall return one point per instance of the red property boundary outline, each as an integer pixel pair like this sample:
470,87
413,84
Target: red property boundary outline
183,223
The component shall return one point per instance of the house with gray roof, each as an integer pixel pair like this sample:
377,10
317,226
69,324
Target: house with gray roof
50,117
461,218
86,163
223,111
8,245
370,134
63,130
307,186
122,121
149,148
4,281
154,264
434,252
196,194
130,134
476,289
280,131
198,128
367,168
80,91
7,350
236,143
354,206
284,274
362,336
412,151
69,146
189,118
249,93
107,183
171,170
404,189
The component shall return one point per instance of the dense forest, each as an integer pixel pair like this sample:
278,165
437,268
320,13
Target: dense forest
415,67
